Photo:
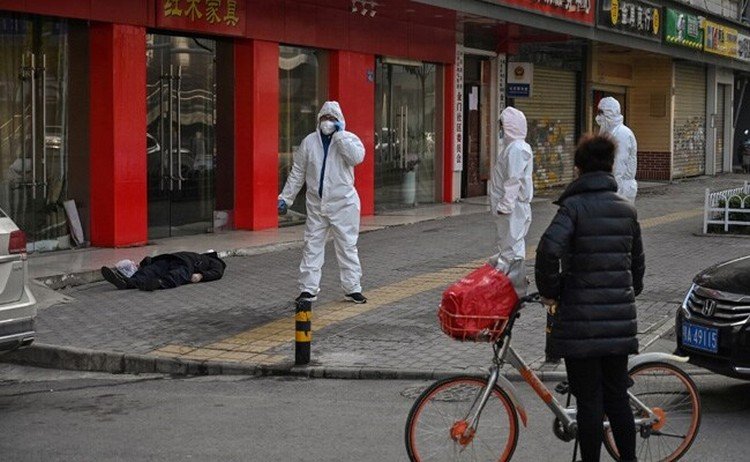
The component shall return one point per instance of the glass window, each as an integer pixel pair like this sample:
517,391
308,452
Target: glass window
404,135
34,65
301,93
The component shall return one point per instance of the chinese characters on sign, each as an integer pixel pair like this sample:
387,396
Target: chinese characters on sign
568,5
501,76
683,29
520,79
631,17
572,10
458,113
720,39
743,47
208,15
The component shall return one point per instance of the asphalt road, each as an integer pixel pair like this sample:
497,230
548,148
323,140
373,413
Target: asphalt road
73,416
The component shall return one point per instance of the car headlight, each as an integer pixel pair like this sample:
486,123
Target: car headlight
687,296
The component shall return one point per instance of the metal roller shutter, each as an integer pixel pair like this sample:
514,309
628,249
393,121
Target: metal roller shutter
689,120
551,117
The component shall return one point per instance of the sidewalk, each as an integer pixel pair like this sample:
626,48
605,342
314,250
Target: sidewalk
243,324
76,267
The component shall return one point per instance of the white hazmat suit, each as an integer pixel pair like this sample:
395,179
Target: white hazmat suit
511,191
336,209
626,154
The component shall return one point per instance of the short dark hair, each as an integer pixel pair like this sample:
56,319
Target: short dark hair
595,153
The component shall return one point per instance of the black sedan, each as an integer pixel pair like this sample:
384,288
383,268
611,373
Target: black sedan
713,323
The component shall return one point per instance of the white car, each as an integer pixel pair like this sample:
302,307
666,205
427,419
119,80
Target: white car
17,304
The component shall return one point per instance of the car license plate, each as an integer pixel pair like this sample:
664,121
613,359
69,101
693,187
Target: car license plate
700,337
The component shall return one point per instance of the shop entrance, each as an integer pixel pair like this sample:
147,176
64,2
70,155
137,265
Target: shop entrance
33,128
478,128
404,134
598,95
723,103
180,148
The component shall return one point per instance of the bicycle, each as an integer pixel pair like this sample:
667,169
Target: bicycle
444,422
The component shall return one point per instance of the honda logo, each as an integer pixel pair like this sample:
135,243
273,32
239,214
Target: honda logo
709,306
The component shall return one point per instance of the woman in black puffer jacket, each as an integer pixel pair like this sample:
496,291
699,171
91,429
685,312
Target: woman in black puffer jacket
589,269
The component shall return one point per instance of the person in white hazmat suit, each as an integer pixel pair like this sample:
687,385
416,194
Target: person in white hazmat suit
609,119
511,191
325,162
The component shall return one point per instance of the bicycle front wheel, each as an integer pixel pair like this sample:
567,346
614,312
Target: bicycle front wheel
670,394
439,426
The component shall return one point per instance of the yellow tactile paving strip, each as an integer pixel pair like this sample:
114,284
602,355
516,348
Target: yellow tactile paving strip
252,346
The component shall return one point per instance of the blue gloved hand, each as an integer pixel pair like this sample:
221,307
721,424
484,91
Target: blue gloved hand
282,207
339,126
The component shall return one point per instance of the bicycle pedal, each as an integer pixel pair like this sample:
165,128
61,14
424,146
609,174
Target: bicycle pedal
562,388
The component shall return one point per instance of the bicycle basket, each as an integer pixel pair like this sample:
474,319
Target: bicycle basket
477,307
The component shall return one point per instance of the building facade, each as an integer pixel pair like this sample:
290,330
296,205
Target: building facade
157,118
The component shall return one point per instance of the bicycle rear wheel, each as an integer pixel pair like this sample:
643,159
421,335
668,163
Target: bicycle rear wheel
438,428
671,394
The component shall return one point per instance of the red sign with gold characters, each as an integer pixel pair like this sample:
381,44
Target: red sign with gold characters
574,10
215,16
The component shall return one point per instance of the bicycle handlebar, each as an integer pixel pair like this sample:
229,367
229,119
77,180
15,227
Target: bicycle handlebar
534,297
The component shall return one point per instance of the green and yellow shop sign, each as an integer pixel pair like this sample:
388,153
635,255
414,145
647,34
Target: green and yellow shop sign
683,29
720,39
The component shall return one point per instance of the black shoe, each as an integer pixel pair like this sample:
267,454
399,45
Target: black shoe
115,278
356,297
307,296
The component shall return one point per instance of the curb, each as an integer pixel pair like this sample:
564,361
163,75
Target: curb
81,359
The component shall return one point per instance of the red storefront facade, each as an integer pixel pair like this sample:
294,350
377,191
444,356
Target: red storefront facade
109,53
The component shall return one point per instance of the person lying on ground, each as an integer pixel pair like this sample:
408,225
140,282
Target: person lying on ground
166,271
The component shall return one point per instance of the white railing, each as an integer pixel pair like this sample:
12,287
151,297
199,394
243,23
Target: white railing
717,213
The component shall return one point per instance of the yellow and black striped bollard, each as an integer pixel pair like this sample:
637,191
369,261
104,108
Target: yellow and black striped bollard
303,335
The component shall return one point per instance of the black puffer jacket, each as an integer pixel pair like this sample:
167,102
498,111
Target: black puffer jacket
208,264
591,260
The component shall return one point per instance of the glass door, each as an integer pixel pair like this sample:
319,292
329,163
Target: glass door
404,135
180,147
33,128
301,93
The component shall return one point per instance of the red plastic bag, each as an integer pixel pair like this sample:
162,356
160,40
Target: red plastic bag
478,306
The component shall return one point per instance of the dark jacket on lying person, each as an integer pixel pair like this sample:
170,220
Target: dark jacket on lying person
169,270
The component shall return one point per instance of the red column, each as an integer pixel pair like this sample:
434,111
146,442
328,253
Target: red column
352,84
448,132
256,132
119,213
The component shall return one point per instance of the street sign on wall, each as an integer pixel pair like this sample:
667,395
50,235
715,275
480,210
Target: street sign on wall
520,80
743,47
633,17
458,112
683,29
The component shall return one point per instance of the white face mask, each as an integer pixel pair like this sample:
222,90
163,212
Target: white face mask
327,127
600,120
